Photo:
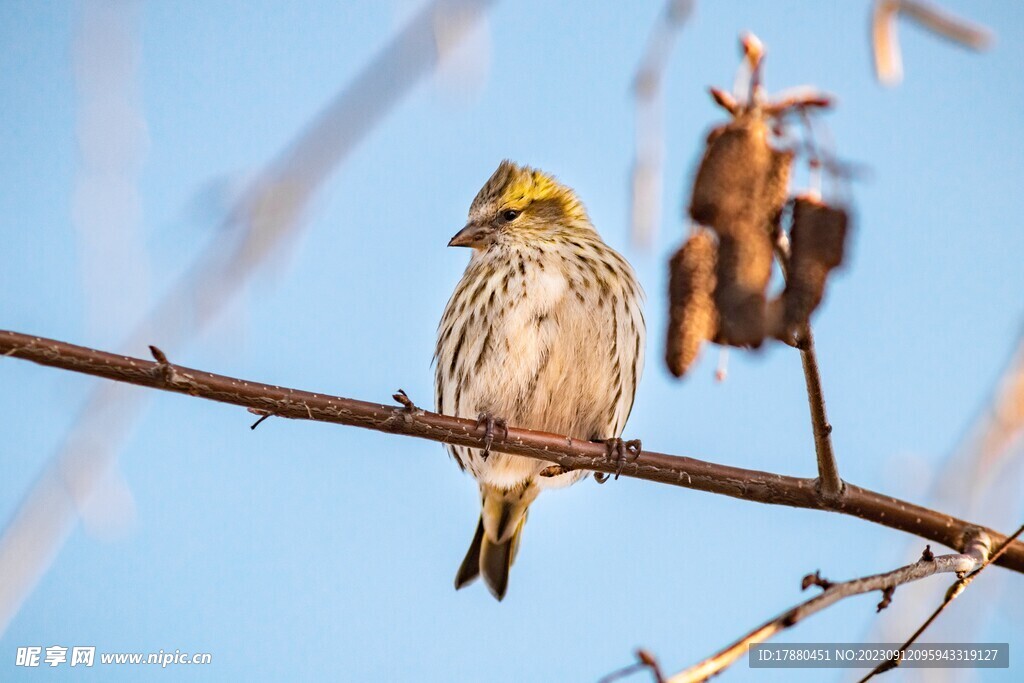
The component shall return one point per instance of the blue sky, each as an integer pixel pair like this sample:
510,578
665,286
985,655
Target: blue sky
305,550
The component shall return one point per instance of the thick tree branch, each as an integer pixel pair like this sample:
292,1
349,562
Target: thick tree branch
752,485
974,557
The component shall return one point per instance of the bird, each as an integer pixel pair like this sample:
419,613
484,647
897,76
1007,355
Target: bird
544,331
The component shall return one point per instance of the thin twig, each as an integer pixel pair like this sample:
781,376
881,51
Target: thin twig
644,660
830,484
885,43
691,473
649,143
885,39
945,25
955,590
976,551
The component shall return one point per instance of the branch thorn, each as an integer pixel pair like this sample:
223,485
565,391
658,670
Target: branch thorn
815,579
264,414
886,598
163,365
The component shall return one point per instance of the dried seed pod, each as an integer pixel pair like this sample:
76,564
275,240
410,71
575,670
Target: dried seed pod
692,316
740,190
776,188
775,321
736,161
818,239
742,272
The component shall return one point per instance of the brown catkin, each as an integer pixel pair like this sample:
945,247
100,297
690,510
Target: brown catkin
740,190
776,188
736,161
692,314
742,272
818,239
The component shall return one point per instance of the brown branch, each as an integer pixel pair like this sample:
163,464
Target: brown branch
751,485
955,590
829,485
975,554
644,660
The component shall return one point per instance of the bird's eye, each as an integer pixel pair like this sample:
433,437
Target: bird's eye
510,214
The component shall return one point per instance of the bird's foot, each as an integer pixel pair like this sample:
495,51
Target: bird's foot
406,402
405,414
489,422
554,471
619,452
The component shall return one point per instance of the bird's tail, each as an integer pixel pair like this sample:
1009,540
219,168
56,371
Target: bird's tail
496,540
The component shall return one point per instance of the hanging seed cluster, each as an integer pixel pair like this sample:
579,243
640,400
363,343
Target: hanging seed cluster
818,239
693,318
718,285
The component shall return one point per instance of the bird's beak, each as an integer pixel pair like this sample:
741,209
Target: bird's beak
470,236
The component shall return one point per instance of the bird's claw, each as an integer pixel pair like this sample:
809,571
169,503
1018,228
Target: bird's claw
406,402
406,414
619,452
489,422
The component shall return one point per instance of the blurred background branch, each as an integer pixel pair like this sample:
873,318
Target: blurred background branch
980,478
885,35
269,214
646,183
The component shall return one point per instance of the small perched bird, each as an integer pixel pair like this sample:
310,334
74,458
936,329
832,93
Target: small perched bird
544,331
